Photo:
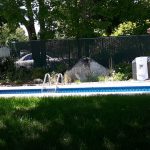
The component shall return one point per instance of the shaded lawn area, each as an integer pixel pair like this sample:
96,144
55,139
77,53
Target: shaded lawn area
75,123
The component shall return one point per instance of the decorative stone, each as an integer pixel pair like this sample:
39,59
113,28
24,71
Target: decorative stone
38,81
84,69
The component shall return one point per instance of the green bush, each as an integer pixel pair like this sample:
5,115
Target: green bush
21,75
38,73
118,76
103,78
59,67
77,81
124,68
10,74
6,66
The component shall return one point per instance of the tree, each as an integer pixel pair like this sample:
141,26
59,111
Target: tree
73,18
18,12
27,12
131,28
7,35
92,18
46,17
111,13
125,28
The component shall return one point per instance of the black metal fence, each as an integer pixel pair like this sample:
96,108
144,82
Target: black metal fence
105,50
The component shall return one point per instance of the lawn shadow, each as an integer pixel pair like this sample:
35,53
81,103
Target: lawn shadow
84,123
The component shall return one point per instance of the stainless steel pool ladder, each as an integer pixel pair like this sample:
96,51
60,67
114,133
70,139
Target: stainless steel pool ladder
59,77
47,77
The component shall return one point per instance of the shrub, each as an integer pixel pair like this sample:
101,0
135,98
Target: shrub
6,66
118,76
58,67
53,77
38,73
102,78
21,75
124,68
77,81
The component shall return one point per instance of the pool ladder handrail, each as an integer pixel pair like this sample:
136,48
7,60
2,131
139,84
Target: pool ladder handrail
47,76
59,76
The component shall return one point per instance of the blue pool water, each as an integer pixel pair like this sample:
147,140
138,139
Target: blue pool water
105,89
128,89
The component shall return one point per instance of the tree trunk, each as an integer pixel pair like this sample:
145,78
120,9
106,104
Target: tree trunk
42,19
42,47
31,32
30,23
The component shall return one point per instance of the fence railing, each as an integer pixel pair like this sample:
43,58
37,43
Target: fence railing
105,50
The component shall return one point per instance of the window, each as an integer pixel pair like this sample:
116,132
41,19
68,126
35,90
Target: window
29,57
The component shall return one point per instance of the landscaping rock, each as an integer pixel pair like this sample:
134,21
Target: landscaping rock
38,81
84,69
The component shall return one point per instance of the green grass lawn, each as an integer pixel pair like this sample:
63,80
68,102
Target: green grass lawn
75,123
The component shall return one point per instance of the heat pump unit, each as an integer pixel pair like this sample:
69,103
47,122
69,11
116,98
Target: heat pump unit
140,68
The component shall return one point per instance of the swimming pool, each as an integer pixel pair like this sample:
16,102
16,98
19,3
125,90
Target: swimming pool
94,88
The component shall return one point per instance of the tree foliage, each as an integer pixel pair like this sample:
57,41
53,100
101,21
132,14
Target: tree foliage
131,28
7,35
74,18
125,28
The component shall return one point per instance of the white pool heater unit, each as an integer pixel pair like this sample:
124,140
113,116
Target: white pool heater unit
141,68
